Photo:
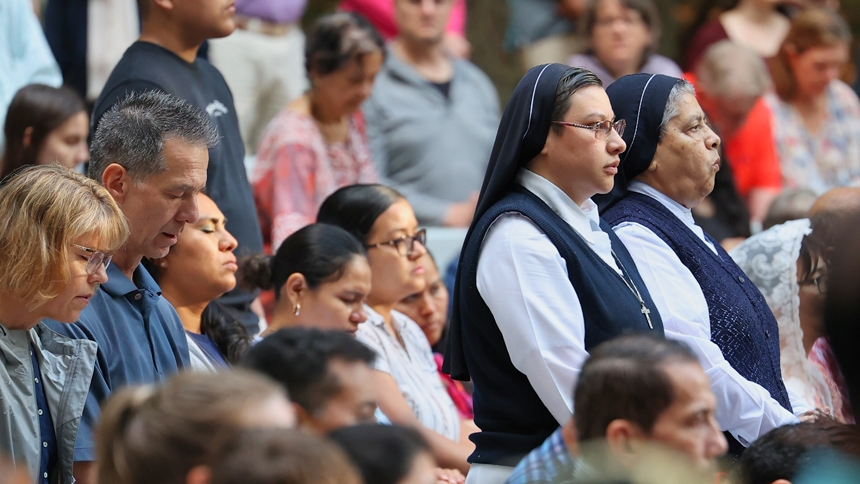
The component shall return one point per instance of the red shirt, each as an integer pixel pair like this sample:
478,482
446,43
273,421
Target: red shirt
751,150
380,13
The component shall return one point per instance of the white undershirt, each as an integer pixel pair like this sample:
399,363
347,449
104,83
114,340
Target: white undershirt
744,408
524,282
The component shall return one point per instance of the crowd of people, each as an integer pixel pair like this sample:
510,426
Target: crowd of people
215,259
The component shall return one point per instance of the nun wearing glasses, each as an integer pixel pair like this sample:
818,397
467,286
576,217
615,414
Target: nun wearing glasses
542,279
705,299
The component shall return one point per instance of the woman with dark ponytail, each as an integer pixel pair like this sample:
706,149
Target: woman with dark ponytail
321,279
200,268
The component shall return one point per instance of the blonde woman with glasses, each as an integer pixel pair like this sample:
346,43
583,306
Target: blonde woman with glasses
59,232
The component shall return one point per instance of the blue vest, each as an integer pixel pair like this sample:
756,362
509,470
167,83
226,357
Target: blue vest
512,418
742,324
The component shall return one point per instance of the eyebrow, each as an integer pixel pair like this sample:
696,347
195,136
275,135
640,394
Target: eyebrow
694,118
597,115
393,231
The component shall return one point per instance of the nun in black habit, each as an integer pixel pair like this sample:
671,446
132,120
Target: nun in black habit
541,278
705,299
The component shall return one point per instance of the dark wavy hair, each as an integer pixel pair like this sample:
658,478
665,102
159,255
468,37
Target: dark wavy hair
220,323
320,252
42,108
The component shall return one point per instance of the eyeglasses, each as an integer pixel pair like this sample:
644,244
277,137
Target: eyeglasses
821,283
601,129
405,245
94,259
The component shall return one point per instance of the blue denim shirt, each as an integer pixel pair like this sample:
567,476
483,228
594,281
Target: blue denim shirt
140,338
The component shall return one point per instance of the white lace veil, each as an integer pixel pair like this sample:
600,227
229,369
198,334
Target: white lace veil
770,261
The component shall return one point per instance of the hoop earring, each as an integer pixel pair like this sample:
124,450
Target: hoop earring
297,308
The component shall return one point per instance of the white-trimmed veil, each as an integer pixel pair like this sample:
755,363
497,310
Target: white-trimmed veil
770,261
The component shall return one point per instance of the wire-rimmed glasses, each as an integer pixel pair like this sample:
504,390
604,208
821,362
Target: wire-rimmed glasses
601,129
95,259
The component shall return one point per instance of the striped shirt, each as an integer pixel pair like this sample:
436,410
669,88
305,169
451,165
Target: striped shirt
412,366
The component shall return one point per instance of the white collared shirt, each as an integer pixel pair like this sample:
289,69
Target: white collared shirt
744,408
524,282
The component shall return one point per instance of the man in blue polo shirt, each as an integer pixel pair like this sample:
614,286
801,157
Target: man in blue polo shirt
151,153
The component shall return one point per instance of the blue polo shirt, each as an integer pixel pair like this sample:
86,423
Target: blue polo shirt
140,338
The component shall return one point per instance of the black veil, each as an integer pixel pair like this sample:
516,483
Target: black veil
522,135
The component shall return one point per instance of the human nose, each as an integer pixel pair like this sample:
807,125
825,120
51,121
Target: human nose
358,316
83,153
832,72
428,6
188,211
615,143
712,139
428,306
717,444
418,249
228,242
99,276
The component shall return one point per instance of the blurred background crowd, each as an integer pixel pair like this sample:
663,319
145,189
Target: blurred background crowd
322,161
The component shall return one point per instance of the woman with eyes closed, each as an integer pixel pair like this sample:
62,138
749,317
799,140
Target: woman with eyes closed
197,270
410,392
320,276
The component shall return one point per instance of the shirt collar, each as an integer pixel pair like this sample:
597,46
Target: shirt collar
375,318
584,218
680,211
120,285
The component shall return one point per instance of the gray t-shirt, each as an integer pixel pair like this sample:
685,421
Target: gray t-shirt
432,148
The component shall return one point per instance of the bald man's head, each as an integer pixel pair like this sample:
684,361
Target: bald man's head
836,209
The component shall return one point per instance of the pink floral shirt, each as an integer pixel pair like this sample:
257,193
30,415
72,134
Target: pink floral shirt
824,160
296,170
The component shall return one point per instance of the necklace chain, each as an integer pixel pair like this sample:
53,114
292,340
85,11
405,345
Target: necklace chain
633,289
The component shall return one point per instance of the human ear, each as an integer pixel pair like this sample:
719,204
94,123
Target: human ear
306,420
117,181
198,475
622,438
164,4
28,137
781,481
295,287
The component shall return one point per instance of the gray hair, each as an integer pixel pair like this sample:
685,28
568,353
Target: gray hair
673,104
132,133
731,71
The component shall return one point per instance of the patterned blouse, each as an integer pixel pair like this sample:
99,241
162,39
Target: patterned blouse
296,170
827,159
822,356
413,367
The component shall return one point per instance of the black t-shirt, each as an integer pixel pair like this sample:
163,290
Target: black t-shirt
147,67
